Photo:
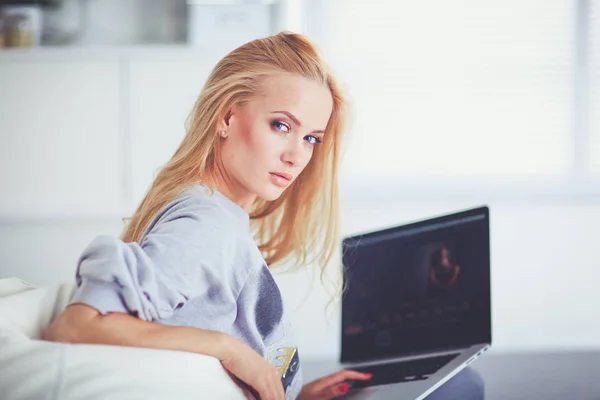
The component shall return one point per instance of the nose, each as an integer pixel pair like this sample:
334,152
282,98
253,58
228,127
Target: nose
288,160
291,154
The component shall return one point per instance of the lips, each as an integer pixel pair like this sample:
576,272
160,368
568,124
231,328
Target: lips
284,175
281,179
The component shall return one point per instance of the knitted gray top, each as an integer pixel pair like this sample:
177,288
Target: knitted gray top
197,265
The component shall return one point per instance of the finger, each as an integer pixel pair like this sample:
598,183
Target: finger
260,393
249,393
278,385
334,391
339,377
275,387
277,391
271,393
266,391
362,376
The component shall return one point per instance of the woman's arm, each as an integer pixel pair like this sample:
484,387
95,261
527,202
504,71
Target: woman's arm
191,251
80,323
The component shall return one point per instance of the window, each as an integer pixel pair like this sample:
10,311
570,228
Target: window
594,62
465,90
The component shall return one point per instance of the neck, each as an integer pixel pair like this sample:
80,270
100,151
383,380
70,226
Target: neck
233,190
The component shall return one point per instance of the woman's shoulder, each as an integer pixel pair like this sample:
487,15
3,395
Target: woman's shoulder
198,215
208,208
205,220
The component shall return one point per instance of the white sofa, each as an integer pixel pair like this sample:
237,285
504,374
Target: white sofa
34,369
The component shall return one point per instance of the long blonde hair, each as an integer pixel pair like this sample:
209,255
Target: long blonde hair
304,222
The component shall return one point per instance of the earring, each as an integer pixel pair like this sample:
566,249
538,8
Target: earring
223,133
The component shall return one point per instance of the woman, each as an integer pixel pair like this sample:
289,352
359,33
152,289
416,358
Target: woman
444,271
253,183
260,155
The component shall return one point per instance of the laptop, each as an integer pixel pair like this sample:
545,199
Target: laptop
416,308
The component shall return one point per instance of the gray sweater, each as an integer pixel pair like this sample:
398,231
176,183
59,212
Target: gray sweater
197,265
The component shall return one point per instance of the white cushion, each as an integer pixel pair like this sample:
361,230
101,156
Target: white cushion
34,369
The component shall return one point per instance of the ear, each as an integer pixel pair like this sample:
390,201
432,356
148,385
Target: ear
226,116
223,121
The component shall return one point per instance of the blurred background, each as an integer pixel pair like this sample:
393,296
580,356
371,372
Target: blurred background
457,103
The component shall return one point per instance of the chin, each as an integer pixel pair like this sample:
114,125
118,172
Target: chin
271,193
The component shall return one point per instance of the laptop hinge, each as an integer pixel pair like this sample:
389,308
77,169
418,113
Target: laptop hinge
407,356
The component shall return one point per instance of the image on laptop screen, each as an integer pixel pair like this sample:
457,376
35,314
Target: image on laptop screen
420,287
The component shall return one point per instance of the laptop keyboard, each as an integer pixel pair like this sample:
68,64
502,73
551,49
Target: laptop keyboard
403,371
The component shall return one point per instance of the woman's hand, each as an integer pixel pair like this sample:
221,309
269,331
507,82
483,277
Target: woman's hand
248,366
330,386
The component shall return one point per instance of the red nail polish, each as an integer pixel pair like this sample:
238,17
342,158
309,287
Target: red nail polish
344,387
368,375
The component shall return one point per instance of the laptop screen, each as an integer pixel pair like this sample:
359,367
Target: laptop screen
423,286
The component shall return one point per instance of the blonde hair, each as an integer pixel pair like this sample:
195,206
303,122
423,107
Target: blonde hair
303,223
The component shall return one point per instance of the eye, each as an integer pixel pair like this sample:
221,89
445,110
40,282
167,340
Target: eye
312,139
280,126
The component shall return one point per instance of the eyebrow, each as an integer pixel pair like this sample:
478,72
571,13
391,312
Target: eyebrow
295,120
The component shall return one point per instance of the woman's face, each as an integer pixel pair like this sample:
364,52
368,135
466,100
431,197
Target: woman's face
270,139
445,260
